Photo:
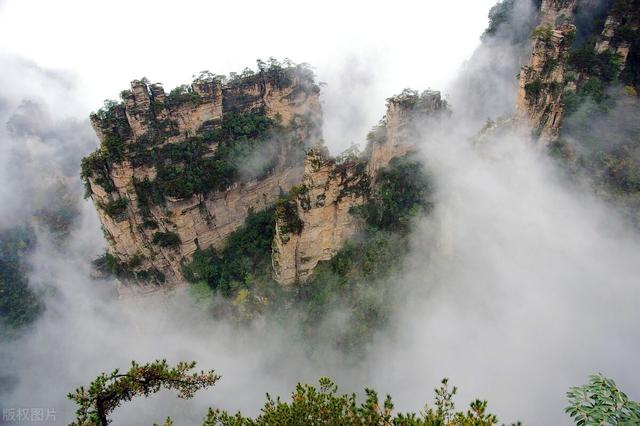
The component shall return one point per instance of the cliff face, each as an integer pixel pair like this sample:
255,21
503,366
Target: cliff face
541,82
557,68
555,12
158,151
406,114
180,172
315,223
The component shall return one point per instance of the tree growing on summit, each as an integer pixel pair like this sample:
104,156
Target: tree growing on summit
108,391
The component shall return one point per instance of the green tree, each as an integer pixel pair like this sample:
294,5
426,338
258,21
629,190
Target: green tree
108,391
324,406
19,304
600,402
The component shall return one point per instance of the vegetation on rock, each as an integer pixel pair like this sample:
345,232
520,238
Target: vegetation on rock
116,208
402,192
599,137
108,264
243,263
166,239
354,280
19,304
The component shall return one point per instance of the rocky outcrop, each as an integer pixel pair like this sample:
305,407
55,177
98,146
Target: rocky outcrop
550,75
317,218
554,13
150,237
542,81
618,29
315,223
162,188
406,114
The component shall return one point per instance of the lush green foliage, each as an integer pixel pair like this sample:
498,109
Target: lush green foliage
324,406
601,135
188,168
108,391
533,90
182,170
182,94
19,305
355,280
108,265
166,239
95,165
287,213
308,406
600,402
499,14
245,259
604,65
401,192
358,279
117,209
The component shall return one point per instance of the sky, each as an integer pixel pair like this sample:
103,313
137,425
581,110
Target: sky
385,46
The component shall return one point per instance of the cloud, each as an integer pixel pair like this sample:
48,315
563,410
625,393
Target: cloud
519,284
40,146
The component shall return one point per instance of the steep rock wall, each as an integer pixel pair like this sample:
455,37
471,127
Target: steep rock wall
150,120
315,224
406,114
541,82
549,74
318,218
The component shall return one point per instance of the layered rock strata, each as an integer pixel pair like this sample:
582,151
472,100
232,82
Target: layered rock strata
315,223
148,121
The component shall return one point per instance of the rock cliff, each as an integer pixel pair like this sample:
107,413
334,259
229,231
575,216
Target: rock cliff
180,171
316,222
542,81
561,65
318,218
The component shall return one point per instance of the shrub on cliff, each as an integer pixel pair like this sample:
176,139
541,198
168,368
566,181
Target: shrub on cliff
533,90
355,281
401,192
116,209
604,65
189,168
287,213
245,259
166,239
182,94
